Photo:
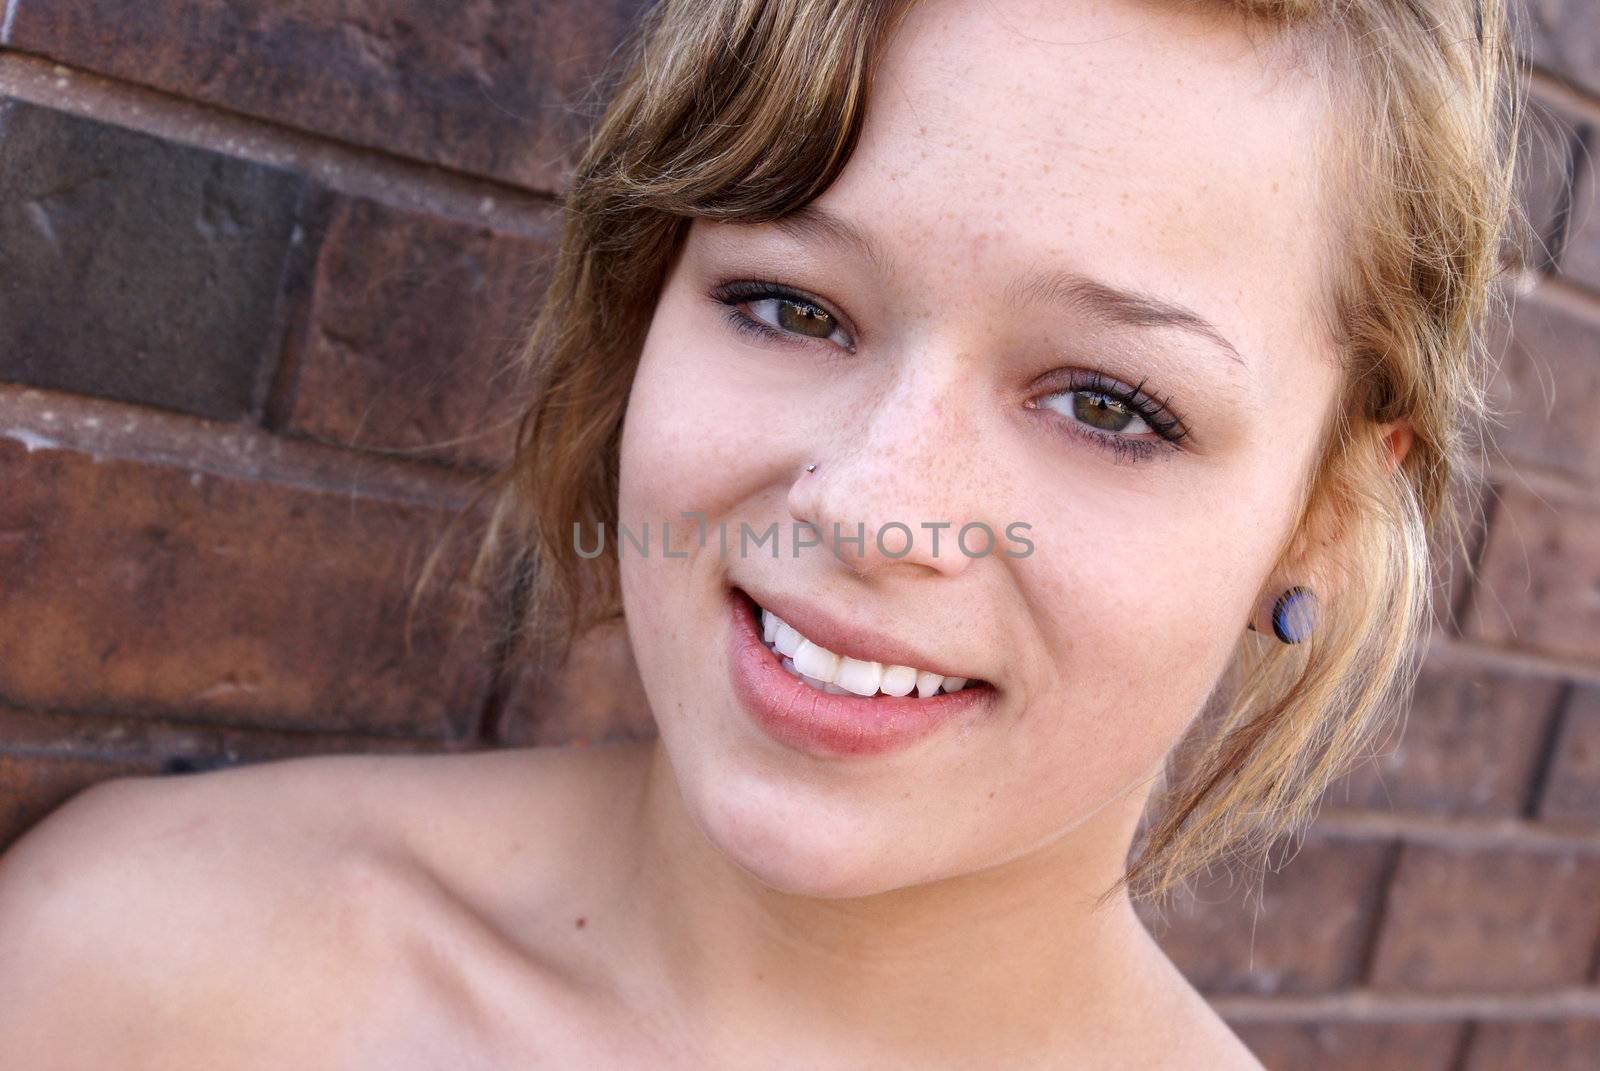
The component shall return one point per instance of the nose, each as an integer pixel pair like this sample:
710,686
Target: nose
897,484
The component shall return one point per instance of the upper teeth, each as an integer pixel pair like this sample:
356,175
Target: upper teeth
836,673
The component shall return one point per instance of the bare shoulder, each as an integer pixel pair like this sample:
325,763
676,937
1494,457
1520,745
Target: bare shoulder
152,921
144,899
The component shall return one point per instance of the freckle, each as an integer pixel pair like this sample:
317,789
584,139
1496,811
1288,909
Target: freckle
991,795
581,922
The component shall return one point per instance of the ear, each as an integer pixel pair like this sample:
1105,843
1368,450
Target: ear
1316,554
1321,545
1397,437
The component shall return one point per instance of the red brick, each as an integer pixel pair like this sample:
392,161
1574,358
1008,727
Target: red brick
31,786
596,697
45,758
1469,745
1548,153
1572,788
411,323
138,269
29,732
181,747
236,746
1539,1046
1539,588
1563,37
1547,388
1483,920
1452,581
154,590
1580,260
1307,936
1353,1046
494,88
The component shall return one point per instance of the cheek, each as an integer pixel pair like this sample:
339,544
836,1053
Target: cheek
1133,633
691,438
683,450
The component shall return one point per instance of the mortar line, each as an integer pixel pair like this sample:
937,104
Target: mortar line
1363,1005
1551,732
354,170
101,428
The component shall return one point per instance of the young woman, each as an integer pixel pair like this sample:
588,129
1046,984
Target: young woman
1179,302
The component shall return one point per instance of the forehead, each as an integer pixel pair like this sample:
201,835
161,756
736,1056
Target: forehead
1151,147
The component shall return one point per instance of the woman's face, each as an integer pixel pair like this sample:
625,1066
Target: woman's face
1021,164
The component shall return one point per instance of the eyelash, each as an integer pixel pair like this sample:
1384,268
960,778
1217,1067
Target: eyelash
1145,406
738,293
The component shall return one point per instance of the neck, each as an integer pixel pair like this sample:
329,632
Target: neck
1013,957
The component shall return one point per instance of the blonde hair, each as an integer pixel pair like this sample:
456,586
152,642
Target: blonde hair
1430,109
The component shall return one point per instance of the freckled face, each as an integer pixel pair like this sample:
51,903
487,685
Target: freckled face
1121,146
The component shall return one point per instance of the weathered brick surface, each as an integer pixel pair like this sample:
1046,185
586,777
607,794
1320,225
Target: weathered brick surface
154,590
1572,788
1580,259
1536,1045
1547,165
31,786
136,268
1307,936
1452,581
1547,388
411,324
494,88
596,697
1483,920
1469,745
47,758
141,742
1540,575
180,746
1353,1046
1563,37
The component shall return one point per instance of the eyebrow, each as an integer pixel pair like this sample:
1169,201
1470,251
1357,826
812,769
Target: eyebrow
1128,308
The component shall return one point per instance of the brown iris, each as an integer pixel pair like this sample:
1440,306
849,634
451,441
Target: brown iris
805,319
1101,412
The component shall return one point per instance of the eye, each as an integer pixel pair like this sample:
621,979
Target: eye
801,319
780,313
1105,413
1112,415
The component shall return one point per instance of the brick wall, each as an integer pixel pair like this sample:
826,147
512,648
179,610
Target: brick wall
261,264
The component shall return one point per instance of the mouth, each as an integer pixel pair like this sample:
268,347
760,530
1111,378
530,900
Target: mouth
836,673
846,710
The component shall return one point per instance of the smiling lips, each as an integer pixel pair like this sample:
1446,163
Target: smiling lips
843,721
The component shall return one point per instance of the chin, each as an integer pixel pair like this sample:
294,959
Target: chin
793,841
